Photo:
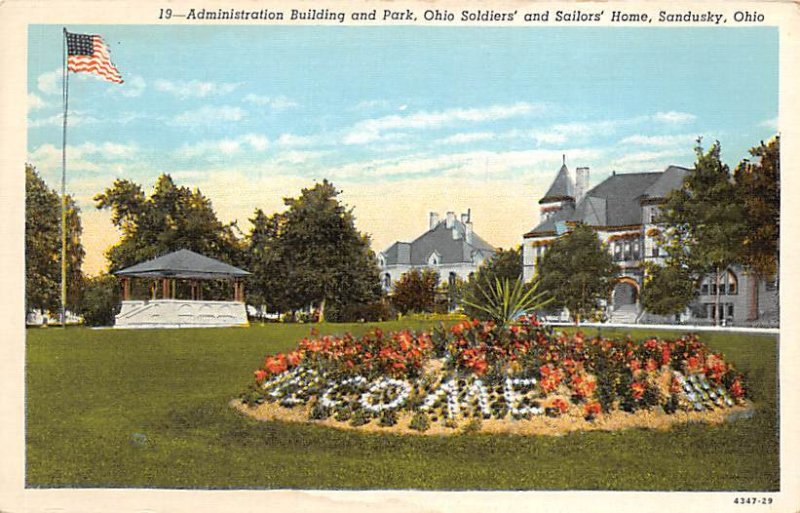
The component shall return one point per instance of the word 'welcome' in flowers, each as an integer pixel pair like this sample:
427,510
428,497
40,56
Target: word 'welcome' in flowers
483,370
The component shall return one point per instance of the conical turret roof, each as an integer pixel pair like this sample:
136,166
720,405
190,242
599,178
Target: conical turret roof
562,187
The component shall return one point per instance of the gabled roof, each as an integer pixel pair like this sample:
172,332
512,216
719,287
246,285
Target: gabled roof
670,179
622,194
439,239
616,201
183,264
561,188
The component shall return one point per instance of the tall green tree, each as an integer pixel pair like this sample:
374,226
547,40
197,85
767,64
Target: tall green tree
43,246
171,218
758,188
505,264
415,291
312,255
706,223
667,289
577,272
268,285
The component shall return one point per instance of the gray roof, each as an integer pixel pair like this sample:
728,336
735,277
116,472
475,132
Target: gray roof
440,240
561,188
183,264
671,179
617,200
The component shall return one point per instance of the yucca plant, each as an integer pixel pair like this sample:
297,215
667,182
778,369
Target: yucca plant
503,302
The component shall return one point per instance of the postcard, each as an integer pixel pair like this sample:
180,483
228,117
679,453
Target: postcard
421,256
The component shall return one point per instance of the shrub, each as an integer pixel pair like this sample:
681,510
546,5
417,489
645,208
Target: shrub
420,422
101,300
504,302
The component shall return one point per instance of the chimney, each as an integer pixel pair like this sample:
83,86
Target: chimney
434,220
450,221
581,182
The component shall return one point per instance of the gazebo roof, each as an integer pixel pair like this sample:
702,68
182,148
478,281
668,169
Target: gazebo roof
183,264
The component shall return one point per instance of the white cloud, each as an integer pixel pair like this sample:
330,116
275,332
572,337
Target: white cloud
674,117
84,157
634,161
682,140
208,115
273,102
549,137
194,88
468,137
373,129
772,123
76,118
292,141
132,87
50,81
223,147
458,165
35,102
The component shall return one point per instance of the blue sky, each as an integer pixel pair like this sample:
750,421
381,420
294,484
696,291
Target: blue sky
403,119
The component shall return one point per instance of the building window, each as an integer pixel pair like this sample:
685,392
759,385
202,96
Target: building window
704,288
733,283
617,252
387,281
730,311
636,255
654,251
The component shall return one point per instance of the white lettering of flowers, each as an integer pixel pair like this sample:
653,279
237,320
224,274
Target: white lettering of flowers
448,388
514,398
356,382
373,399
477,391
291,387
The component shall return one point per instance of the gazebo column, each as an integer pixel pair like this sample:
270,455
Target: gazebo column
164,288
126,289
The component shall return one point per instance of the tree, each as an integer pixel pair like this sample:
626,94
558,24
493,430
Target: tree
415,291
706,223
43,246
667,289
578,272
172,218
758,189
100,302
267,285
504,265
313,255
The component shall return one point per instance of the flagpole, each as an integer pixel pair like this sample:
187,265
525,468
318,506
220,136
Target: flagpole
65,94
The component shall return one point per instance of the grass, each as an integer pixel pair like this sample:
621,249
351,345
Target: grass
149,408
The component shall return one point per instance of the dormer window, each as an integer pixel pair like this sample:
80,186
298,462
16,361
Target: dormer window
434,259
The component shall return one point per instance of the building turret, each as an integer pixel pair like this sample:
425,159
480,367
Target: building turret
560,194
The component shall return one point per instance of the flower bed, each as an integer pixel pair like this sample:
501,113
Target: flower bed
521,378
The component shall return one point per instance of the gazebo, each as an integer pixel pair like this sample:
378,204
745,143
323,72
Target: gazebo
165,310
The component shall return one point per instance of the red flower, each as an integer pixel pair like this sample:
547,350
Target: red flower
665,355
276,364
592,409
561,404
651,364
637,390
635,365
737,390
261,375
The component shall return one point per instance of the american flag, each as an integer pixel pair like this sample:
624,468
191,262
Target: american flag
88,53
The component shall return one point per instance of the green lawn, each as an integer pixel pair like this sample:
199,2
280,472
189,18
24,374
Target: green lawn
94,395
